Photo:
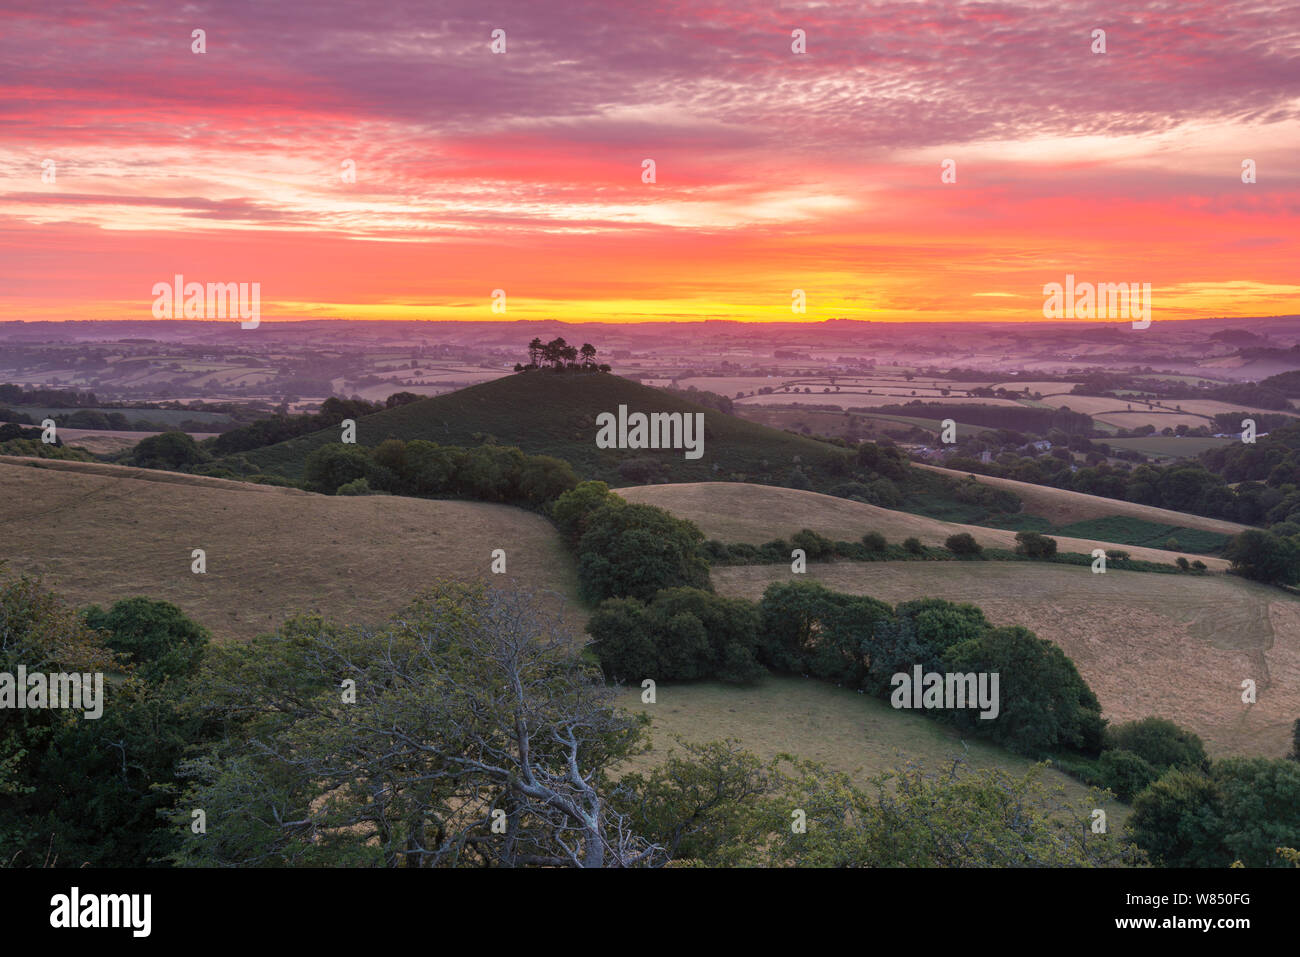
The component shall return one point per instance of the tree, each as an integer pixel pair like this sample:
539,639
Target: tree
477,737
1160,742
1044,702
715,803
633,550
1034,545
333,465
171,451
1125,773
963,543
155,637
1263,557
571,510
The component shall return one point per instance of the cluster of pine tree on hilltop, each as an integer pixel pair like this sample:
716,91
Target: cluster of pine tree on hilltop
559,356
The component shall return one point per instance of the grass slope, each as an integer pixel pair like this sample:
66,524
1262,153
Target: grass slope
547,414
98,533
1175,646
735,512
848,732
1062,507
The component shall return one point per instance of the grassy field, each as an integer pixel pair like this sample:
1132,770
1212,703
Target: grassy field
734,512
1170,446
98,533
1062,507
846,731
1169,645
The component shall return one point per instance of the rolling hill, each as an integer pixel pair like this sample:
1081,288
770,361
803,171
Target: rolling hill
1175,646
1062,507
548,414
98,533
736,512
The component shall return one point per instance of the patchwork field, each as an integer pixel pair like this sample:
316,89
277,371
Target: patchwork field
98,533
1169,645
738,512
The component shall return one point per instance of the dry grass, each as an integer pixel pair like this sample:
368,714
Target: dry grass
1175,646
1062,507
740,512
98,533
846,731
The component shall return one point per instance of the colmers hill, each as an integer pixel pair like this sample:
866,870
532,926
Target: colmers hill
543,413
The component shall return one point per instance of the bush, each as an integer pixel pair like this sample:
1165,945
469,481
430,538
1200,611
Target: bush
1034,545
356,487
1044,702
170,451
333,465
684,634
1161,743
875,542
1125,773
815,546
632,551
809,629
1263,557
963,543
154,636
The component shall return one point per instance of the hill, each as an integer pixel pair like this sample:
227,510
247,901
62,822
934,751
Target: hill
548,414
1062,507
1175,646
98,533
735,512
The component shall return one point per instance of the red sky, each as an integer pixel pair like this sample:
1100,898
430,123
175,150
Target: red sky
775,170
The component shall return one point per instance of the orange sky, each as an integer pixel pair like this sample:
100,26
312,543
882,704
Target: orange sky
775,170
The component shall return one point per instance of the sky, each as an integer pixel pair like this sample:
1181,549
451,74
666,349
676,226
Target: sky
524,170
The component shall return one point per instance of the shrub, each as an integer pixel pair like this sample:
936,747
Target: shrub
684,634
359,486
1161,743
875,542
154,636
1034,545
963,543
1043,701
632,550
1125,773
815,546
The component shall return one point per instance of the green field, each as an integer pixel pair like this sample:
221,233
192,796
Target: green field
1134,531
1168,446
